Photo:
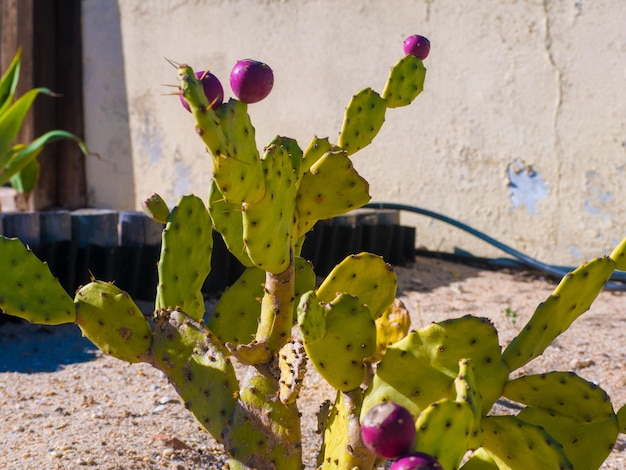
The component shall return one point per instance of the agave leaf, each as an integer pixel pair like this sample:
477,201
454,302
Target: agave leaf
16,161
8,82
26,180
11,121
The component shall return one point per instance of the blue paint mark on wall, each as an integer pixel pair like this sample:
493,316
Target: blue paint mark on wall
182,181
149,139
597,197
527,186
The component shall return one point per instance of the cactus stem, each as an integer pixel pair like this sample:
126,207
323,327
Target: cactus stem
277,309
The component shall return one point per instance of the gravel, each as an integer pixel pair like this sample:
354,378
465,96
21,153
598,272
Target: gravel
63,405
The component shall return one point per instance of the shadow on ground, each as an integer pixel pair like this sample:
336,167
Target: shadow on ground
29,348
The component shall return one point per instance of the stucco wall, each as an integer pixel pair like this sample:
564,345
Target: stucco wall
520,132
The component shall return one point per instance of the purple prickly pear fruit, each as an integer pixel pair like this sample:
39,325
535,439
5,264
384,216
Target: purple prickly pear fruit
417,45
213,89
417,461
388,430
251,80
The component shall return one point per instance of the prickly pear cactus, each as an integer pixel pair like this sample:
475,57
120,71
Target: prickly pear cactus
277,321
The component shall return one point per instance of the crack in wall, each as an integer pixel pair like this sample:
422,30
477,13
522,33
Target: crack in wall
556,143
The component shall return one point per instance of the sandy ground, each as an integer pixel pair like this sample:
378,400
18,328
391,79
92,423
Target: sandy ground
63,405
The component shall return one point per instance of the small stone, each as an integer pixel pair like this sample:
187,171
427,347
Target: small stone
158,409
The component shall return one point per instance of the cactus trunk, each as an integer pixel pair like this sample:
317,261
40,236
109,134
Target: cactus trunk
265,432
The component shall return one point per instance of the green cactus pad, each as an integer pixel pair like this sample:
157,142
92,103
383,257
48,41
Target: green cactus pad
156,208
577,413
391,327
111,320
316,149
268,223
185,257
444,430
227,218
330,188
342,446
365,276
619,256
292,365
363,119
208,125
196,363
621,419
405,82
479,460
29,290
587,445
239,174
571,298
236,165
311,317
338,336
304,280
517,445
432,354
236,315
293,150
562,393
467,393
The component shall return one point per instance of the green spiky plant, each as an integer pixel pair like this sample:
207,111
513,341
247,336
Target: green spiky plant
275,318
18,161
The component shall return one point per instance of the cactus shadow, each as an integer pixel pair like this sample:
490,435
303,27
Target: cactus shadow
28,348
430,272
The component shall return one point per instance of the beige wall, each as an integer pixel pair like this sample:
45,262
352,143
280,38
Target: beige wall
520,132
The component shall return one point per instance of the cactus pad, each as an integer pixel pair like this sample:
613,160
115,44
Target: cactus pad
239,174
574,411
467,393
111,320
316,149
227,218
563,393
452,419
294,152
236,315
363,119
342,446
185,257
338,336
479,460
365,276
571,298
391,327
196,364
156,208
586,445
621,419
405,82
28,289
514,444
432,354
330,188
268,223
619,256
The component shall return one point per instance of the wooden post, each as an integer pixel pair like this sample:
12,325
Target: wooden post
71,186
49,33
